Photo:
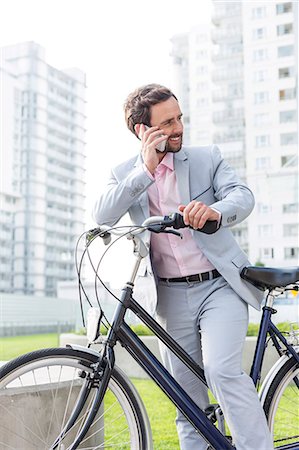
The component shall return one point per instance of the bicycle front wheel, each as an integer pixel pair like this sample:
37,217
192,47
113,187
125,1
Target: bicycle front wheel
40,391
281,405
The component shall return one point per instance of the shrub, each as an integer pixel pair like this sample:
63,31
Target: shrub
253,328
142,330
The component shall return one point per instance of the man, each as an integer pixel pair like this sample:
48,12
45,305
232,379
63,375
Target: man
202,301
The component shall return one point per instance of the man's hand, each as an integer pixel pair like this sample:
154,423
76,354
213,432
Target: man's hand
150,138
196,214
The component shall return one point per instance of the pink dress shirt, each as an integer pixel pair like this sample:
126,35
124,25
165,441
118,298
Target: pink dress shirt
171,255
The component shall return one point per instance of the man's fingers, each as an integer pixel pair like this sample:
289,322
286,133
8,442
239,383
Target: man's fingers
196,215
201,220
189,212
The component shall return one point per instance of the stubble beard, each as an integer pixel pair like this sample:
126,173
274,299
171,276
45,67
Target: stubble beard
174,148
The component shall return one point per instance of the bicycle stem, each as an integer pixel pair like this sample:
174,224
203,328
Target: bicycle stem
141,250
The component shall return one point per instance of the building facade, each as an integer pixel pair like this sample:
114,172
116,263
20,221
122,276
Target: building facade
271,109
242,94
42,188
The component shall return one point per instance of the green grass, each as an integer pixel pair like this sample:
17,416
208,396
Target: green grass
13,346
160,410
161,413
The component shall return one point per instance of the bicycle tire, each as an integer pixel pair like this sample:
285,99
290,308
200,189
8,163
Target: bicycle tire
281,404
39,390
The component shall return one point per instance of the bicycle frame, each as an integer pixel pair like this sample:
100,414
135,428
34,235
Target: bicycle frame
122,333
268,327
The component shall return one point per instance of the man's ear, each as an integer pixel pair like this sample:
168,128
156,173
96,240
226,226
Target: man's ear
137,130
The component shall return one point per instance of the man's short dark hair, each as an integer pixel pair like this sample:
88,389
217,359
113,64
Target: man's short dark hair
138,104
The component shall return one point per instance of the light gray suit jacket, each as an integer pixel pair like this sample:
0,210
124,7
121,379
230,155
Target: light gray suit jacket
203,175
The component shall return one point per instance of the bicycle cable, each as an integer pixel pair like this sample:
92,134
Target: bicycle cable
96,270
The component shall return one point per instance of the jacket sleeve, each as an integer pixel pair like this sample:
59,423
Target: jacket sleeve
235,199
120,194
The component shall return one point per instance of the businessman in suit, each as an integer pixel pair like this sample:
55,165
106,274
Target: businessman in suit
201,299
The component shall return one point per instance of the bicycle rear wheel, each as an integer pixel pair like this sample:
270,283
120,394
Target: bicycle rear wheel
40,390
281,405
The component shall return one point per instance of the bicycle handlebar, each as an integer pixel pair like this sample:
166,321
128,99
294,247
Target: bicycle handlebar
156,224
210,227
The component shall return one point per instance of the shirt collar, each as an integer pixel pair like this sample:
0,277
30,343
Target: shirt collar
167,161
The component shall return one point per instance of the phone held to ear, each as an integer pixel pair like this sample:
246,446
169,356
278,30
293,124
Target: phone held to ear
161,146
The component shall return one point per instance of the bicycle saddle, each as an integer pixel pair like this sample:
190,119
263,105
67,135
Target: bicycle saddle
270,277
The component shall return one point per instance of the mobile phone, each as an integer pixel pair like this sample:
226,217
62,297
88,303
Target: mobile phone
161,146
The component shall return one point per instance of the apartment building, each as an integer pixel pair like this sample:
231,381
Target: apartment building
240,82
270,34
210,80
43,174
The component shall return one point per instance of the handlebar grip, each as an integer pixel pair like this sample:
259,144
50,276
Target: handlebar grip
210,227
105,235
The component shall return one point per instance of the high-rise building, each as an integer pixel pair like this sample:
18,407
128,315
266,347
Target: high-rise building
242,94
210,78
10,167
42,170
270,38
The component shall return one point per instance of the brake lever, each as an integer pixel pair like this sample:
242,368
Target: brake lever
161,229
176,233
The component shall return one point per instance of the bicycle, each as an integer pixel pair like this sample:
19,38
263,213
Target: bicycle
76,397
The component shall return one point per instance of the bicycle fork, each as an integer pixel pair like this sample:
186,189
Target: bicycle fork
99,380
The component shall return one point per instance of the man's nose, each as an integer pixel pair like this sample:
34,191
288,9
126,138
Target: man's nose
178,127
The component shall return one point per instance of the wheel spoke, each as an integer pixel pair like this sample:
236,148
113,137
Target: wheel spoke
282,404
40,398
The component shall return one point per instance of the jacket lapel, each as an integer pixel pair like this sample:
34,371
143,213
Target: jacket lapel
143,199
181,165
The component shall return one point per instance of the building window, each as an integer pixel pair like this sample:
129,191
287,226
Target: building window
288,116
203,136
265,230
261,97
291,252
267,253
201,70
287,94
288,139
290,229
289,161
201,54
290,208
203,101
260,54
285,50
259,33
262,163
258,13
285,28
260,75
261,119
282,8
286,72
262,140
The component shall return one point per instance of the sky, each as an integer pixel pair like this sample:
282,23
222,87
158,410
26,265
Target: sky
119,44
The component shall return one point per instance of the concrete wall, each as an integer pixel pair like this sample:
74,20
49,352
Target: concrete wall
15,401
28,314
132,369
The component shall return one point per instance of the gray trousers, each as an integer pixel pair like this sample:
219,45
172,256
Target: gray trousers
209,320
